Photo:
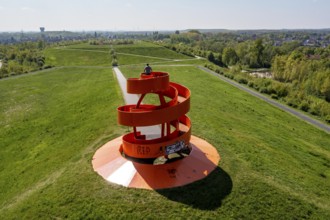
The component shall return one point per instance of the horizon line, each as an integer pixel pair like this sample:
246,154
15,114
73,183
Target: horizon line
165,30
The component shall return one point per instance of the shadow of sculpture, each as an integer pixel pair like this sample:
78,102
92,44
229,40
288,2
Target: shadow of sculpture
205,194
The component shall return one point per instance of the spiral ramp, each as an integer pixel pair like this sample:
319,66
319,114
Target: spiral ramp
165,156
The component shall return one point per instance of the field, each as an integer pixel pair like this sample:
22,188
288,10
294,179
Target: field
273,166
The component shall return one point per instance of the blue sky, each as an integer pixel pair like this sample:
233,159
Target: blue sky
137,15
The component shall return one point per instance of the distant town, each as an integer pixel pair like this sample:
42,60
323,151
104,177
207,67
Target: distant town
309,37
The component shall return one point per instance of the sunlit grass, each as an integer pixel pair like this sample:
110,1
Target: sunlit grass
273,165
77,57
264,143
48,119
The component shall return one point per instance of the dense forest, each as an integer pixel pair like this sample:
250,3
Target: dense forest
21,58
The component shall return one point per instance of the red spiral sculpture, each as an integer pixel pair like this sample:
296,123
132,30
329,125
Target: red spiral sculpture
129,160
170,115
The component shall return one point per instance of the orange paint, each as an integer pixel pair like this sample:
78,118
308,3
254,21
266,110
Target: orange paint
171,113
119,161
202,160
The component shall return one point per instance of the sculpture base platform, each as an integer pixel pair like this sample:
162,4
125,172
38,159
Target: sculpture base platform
113,167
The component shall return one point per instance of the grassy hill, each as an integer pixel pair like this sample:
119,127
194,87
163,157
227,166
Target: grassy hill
273,166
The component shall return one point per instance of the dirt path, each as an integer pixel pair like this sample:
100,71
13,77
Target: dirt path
292,111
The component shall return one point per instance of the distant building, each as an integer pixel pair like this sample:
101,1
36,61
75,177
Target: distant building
42,29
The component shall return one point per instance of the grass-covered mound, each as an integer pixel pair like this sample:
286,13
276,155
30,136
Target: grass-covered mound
273,164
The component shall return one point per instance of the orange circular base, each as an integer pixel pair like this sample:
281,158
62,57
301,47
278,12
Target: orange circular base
112,166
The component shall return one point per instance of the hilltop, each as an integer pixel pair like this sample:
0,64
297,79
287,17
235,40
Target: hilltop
54,120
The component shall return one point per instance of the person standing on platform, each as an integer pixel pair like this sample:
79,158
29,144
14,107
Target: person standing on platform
147,69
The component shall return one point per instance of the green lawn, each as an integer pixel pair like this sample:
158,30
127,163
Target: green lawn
48,120
139,53
149,49
67,56
273,165
259,144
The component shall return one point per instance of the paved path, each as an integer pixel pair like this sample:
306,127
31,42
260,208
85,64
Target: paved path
129,98
151,132
298,114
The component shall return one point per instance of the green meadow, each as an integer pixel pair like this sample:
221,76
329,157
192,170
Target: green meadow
273,165
85,55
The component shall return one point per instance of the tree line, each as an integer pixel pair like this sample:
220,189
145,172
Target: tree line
105,41
21,58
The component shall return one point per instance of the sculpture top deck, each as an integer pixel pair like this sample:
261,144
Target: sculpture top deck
175,125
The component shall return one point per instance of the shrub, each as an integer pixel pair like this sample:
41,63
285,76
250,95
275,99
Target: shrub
274,96
263,90
314,110
271,90
48,66
242,81
280,89
210,66
293,102
256,86
304,105
114,62
228,75
324,108
217,70
320,108
251,84
327,118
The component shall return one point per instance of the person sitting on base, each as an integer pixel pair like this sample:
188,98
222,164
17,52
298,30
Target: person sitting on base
147,70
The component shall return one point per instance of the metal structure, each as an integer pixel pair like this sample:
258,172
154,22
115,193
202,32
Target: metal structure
143,159
170,115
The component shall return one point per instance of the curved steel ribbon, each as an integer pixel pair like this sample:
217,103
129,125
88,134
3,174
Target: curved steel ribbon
175,125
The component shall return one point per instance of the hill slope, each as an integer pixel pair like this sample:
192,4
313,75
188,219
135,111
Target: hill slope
273,165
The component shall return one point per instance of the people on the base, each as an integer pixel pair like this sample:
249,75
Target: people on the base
147,69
